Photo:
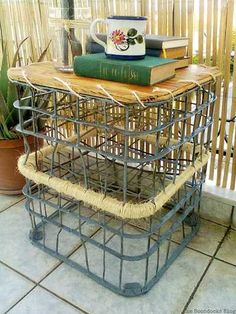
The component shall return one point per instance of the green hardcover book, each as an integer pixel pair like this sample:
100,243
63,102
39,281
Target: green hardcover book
147,71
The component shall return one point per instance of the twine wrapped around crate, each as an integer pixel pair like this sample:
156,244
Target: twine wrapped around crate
27,167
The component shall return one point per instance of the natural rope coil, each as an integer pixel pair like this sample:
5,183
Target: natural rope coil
99,200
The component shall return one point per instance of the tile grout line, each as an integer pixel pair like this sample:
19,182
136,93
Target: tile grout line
13,204
204,273
193,249
209,264
205,254
38,284
221,260
196,250
215,222
77,248
65,300
18,301
69,254
19,273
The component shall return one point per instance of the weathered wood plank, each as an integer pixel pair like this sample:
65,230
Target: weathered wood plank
43,74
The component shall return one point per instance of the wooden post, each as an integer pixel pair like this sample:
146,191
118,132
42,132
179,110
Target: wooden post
190,28
215,31
201,31
177,16
170,17
183,18
209,32
231,127
228,48
218,103
233,176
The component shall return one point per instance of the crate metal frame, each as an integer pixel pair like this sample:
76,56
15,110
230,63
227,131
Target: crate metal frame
186,120
129,190
168,140
156,244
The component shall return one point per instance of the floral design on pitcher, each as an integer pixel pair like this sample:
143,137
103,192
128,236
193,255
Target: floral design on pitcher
118,37
122,42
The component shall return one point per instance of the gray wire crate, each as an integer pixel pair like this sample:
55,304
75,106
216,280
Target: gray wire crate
130,133
128,190
116,192
128,256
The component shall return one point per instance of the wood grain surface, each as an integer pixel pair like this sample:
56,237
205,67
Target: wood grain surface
43,74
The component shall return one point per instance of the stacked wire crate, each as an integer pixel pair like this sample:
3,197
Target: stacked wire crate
120,182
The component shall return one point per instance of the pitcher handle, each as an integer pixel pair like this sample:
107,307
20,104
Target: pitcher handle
93,35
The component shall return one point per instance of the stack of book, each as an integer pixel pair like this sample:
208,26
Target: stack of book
163,56
156,46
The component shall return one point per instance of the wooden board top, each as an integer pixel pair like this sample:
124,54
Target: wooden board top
43,74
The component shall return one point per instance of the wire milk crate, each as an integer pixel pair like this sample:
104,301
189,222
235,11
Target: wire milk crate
116,192
128,256
124,132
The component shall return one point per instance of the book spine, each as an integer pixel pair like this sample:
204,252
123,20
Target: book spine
92,47
150,42
153,44
124,73
153,52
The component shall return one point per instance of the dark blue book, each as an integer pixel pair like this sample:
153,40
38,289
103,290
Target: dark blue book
93,47
156,41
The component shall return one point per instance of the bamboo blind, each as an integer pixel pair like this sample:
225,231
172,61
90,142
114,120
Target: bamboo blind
209,24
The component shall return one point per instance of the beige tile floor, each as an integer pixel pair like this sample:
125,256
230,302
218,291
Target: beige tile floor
201,280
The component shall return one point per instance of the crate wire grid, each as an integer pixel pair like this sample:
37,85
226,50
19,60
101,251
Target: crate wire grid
175,123
166,139
125,190
164,155
110,249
